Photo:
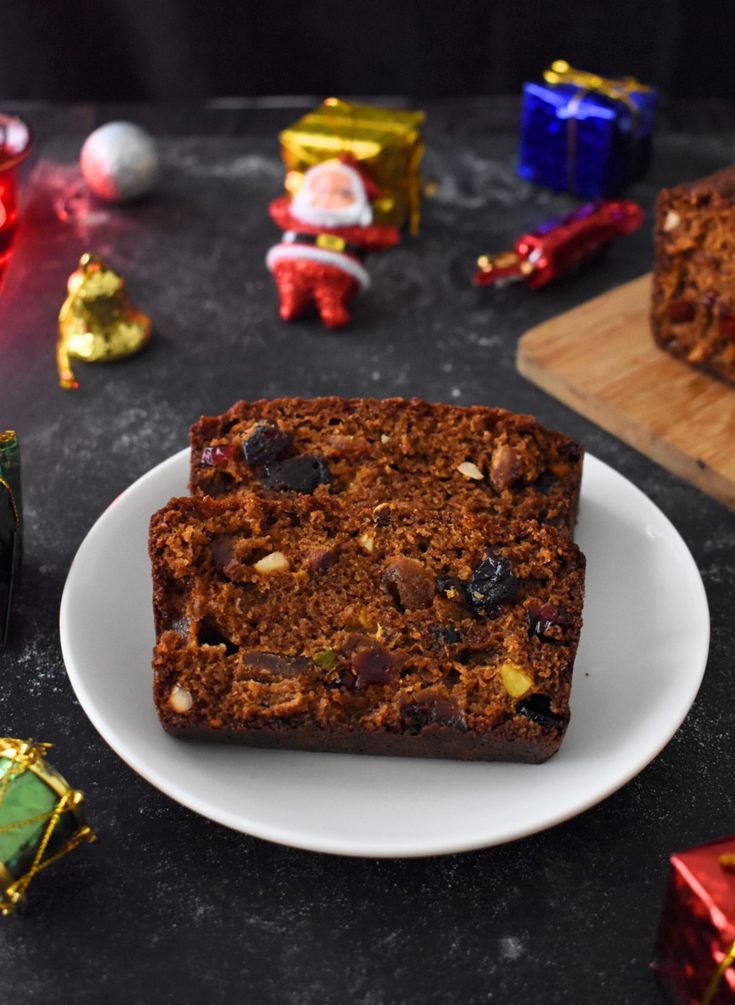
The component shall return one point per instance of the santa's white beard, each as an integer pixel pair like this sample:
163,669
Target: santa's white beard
356,215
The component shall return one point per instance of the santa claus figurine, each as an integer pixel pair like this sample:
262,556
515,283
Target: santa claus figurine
328,228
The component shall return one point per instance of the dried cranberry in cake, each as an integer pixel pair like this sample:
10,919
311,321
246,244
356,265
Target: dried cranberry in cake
267,665
222,552
409,583
297,474
491,583
321,559
727,323
373,665
680,312
266,442
537,708
426,711
542,618
215,457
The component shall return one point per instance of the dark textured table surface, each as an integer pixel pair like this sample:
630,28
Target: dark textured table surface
168,906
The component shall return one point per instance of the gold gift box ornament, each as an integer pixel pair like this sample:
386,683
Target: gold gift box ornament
40,817
386,142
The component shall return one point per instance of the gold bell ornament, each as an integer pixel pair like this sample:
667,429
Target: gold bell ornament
97,322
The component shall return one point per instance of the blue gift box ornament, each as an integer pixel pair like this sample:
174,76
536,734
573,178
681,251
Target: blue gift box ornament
586,134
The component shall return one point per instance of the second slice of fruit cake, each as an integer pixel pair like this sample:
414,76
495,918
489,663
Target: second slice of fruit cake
436,456
693,306
321,625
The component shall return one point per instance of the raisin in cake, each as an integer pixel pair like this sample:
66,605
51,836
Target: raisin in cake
693,308
319,624
479,459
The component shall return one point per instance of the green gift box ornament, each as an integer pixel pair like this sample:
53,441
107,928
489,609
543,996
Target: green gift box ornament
40,817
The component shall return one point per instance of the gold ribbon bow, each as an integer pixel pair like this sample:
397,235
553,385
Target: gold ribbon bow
560,72
714,985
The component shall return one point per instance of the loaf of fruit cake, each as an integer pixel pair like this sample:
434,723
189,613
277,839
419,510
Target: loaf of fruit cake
437,456
320,624
693,306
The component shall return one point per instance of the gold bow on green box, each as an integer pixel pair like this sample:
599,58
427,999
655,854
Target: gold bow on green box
40,817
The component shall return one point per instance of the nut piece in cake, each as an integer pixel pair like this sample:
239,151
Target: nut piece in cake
470,470
276,561
180,699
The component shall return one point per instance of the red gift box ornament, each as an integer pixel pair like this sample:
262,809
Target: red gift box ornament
15,145
560,246
695,948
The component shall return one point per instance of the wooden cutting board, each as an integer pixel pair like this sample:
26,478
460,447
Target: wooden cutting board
600,359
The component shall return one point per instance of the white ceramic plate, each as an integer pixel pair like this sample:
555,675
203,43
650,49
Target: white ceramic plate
640,662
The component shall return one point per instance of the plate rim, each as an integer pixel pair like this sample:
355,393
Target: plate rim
279,835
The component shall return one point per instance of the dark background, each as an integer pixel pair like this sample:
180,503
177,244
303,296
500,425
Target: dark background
169,907
179,50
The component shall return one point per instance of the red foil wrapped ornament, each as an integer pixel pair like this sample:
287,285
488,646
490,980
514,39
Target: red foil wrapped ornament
695,947
560,246
327,231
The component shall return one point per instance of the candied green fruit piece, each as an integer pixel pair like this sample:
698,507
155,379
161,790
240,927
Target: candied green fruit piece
326,659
